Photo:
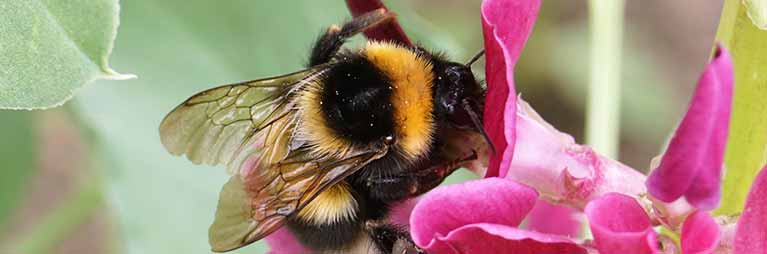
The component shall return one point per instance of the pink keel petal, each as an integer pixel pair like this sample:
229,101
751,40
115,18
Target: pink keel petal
506,25
700,234
494,238
385,32
696,151
552,163
283,242
620,225
751,232
553,219
490,200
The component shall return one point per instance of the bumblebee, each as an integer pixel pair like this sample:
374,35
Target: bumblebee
328,150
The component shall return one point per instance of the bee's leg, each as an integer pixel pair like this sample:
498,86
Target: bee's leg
413,183
328,44
387,189
401,186
390,238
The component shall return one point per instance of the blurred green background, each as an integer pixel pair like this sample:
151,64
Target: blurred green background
92,176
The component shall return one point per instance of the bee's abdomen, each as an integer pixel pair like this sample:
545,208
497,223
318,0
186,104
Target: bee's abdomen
329,222
324,237
333,205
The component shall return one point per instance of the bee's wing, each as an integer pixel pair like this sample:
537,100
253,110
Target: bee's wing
250,127
229,124
253,206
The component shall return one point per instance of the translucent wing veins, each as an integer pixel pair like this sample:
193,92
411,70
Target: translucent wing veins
220,125
252,207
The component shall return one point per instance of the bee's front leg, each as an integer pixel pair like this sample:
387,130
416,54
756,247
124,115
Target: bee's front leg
413,183
389,238
391,188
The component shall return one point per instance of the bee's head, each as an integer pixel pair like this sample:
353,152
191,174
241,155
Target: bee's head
458,97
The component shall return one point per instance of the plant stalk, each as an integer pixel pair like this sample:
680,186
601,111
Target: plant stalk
747,141
603,108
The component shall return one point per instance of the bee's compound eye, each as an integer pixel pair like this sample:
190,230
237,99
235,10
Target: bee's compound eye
453,74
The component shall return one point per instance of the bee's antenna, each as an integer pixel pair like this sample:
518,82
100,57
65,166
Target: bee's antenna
478,124
476,57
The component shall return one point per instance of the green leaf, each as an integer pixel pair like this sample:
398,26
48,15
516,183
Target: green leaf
18,156
50,48
164,203
747,145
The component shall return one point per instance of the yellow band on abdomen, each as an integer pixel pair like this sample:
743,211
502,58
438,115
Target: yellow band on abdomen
333,205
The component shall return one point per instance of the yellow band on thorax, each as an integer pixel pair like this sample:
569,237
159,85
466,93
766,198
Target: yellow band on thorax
411,76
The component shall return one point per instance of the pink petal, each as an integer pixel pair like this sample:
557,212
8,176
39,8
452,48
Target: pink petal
692,164
620,225
751,232
551,162
283,242
447,208
727,237
553,219
700,234
390,31
495,238
506,25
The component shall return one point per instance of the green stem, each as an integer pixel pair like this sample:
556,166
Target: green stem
747,143
606,21
61,221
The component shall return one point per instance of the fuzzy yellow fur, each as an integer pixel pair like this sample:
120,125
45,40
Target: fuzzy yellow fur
332,205
412,77
324,141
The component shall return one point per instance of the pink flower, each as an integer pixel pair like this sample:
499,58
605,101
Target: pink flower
537,163
540,219
700,233
691,167
562,170
384,32
535,154
506,25
751,231
620,225
463,218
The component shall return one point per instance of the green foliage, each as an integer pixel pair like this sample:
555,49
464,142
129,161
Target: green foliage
50,48
18,156
747,145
